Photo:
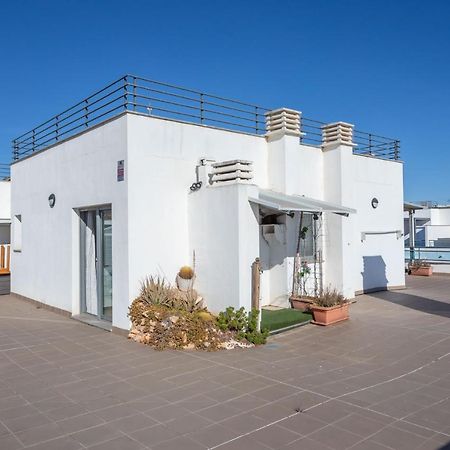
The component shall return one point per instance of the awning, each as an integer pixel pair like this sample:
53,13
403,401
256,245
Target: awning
291,203
408,206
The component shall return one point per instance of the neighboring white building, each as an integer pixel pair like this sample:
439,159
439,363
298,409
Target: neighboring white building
5,210
5,229
432,226
97,211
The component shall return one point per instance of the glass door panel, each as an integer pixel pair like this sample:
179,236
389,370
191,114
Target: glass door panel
106,271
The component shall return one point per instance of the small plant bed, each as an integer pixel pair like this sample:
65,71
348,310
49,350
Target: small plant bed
278,319
166,317
330,307
420,268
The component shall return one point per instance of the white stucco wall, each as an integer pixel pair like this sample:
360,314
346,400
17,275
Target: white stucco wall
81,172
162,159
381,258
224,234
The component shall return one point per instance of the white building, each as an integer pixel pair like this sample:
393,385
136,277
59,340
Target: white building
5,210
5,229
432,226
101,198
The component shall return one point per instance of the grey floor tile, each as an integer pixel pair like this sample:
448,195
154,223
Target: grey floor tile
213,435
179,443
154,435
398,439
360,425
119,443
26,422
64,443
302,424
133,423
335,438
275,437
96,435
188,423
9,442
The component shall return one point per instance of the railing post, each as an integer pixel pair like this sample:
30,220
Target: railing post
396,150
86,122
15,151
134,93
125,96
57,128
201,109
256,120
34,139
370,144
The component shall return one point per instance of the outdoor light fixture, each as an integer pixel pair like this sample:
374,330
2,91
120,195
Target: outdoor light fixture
51,200
196,186
374,203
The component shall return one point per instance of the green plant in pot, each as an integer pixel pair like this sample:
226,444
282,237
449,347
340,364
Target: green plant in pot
420,267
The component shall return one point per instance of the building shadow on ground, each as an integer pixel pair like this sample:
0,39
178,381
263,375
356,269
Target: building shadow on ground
423,304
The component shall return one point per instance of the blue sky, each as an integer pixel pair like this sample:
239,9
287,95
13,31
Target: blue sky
382,65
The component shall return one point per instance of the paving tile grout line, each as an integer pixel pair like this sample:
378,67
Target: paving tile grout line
329,398
402,420
381,382
254,431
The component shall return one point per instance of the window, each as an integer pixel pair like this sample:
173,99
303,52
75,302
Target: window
17,233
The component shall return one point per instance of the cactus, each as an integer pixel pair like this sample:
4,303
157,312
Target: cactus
186,272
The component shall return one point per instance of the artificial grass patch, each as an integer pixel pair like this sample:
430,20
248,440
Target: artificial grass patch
282,318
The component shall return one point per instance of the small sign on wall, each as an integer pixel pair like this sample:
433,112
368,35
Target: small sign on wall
120,170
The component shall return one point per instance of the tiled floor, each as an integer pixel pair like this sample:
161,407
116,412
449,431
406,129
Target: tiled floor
380,380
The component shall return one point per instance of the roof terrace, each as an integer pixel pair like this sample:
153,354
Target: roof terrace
144,96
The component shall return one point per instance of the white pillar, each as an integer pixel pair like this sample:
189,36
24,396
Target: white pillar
283,133
340,245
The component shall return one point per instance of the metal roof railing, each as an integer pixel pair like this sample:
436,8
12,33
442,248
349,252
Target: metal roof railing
5,172
154,98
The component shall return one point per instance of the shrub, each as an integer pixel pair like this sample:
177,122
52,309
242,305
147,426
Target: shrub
418,263
186,272
186,301
329,297
163,327
244,325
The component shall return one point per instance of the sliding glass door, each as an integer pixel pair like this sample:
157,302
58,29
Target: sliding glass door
96,262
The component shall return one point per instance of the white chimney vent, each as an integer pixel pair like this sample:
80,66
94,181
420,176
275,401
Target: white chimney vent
283,121
339,133
237,170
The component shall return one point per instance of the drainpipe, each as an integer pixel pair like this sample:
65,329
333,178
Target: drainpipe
412,234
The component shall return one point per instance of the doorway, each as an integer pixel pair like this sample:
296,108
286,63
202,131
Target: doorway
96,263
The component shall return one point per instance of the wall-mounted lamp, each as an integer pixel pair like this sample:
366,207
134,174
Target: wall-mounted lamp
51,200
374,203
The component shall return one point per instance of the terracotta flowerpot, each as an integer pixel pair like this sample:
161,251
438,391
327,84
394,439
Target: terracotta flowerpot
301,303
422,271
328,316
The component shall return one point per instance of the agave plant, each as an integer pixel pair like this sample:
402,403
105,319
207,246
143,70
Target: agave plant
155,291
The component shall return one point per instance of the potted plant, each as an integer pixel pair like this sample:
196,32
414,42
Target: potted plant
330,307
420,268
185,278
